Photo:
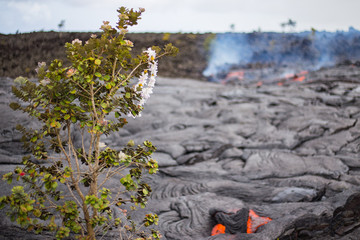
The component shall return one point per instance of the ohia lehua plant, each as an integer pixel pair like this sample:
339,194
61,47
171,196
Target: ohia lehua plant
103,86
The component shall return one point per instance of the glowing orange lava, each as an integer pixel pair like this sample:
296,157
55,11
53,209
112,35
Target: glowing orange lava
255,221
218,229
299,79
237,75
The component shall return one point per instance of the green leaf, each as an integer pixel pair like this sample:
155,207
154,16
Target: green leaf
108,86
131,143
97,74
23,208
66,117
107,77
14,106
37,213
127,95
73,119
103,105
97,61
117,114
54,185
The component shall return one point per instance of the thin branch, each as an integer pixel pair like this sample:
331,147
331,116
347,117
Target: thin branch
44,194
83,145
93,101
72,194
76,184
80,87
126,79
108,176
71,147
114,67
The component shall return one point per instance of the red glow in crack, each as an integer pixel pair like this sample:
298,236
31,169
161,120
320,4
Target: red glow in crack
253,223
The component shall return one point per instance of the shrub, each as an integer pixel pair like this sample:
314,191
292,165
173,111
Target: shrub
94,96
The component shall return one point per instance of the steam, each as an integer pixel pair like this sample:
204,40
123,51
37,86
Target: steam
311,50
227,50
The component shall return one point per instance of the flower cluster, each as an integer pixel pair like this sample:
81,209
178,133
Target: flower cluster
122,156
129,43
145,82
40,65
76,41
70,72
105,26
45,81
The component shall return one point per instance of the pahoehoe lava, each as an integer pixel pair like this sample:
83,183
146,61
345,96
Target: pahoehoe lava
290,153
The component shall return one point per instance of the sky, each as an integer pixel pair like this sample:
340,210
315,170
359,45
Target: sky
196,16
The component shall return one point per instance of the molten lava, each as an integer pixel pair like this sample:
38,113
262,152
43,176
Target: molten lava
236,75
254,221
298,77
218,229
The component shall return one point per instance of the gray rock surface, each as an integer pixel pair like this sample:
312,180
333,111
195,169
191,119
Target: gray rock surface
291,153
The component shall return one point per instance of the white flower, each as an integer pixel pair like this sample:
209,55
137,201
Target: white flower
123,31
102,145
129,43
45,81
142,80
154,68
147,84
105,26
76,41
151,54
146,92
122,156
40,65
142,102
93,36
123,16
152,82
